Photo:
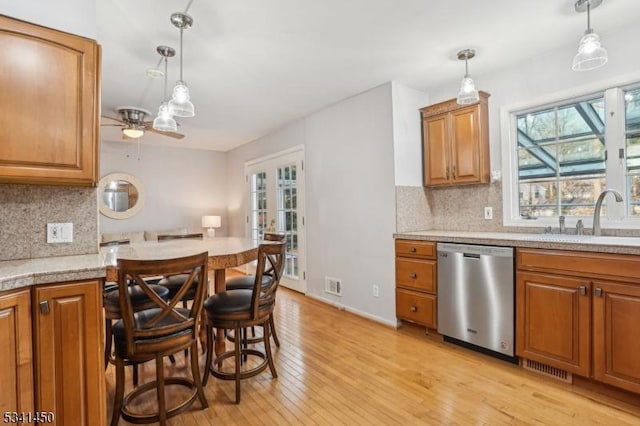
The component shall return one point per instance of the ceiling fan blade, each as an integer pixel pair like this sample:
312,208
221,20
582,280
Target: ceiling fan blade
170,134
113,119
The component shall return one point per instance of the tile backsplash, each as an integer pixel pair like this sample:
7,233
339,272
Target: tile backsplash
459,209
25,211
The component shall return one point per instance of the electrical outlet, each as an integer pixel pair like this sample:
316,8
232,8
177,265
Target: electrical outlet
60,232
376,291
488,212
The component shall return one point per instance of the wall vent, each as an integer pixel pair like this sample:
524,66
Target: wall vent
333,286
547,370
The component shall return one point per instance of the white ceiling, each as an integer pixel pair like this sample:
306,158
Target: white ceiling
255,65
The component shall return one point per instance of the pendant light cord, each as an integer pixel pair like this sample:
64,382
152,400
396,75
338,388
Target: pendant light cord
181,31
164,94
589,15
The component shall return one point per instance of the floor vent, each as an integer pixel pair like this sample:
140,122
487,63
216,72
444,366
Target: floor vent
333,286
547,370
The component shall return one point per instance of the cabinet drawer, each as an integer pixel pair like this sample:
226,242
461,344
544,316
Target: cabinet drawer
419,308
417,274
411,248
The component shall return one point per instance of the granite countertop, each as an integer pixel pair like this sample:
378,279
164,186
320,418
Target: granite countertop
604,244
27,272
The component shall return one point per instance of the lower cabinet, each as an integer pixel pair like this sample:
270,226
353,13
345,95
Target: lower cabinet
16,362
68,354
580,312
416,289
65,376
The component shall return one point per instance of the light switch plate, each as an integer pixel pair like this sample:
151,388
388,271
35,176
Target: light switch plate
60,232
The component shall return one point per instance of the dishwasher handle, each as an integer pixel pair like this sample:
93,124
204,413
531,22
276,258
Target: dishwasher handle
471,255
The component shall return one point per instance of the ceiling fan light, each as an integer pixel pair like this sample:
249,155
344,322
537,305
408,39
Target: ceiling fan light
133,132
468,93
591,54
180,104
164,122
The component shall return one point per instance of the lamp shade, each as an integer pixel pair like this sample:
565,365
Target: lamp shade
590,54
211,221
468,93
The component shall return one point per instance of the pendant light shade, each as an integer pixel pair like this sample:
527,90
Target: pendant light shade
164,122
590,54
180,104
468,93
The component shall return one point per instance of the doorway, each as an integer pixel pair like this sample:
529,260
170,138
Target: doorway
275,203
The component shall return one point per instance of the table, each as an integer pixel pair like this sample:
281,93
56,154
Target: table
224,252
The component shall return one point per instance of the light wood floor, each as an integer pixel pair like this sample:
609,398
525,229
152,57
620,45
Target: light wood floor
337,368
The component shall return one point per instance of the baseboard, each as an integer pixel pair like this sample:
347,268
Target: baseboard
340,306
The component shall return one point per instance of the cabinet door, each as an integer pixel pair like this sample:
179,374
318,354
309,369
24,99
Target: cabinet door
616,334
435,146
16,362
553,321
49,102
69,352
465,145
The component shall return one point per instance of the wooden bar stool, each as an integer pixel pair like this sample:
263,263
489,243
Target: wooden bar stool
239,309
156,333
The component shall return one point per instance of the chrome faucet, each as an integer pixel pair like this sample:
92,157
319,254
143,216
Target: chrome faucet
596,212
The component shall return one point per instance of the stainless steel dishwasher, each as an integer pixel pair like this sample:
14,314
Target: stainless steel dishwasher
476,296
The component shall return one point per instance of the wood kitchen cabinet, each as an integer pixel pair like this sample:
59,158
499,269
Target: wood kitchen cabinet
580,312
16,362
50,101
416,286
69,364
455,143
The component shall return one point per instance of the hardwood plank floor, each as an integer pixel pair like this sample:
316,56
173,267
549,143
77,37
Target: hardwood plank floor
335,368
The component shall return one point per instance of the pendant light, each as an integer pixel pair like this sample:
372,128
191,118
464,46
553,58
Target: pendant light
590,54
164,121
468,93
180,105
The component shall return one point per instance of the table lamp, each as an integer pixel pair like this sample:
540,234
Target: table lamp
211,222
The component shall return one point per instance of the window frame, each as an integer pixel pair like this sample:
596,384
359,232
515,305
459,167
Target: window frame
616,216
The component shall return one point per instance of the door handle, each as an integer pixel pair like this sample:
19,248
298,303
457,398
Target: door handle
412,250
583,290
414,275
597,292
413,308
44,307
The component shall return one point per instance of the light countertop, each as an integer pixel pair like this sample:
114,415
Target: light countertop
27,272
605,244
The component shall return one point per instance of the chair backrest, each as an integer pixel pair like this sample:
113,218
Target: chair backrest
180,236
148,328
270,262
114,243
274,236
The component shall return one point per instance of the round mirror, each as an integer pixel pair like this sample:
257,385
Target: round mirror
120,195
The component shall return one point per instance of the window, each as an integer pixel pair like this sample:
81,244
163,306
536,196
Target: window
562,155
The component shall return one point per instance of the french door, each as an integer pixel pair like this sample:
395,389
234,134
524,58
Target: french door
275,191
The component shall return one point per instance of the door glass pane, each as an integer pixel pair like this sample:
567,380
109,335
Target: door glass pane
632,133
287,215
258,207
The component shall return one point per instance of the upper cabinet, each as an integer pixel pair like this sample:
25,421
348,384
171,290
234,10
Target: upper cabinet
455,143
50,103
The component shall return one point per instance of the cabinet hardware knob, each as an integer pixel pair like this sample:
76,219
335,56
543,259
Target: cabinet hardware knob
583,290
414,275
44,307
597,292
413,309
413,250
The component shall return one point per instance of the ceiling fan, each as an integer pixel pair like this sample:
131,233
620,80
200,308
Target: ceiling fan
133,124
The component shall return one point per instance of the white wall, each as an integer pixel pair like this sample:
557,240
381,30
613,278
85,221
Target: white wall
350,197
407,134
72,16
180,185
